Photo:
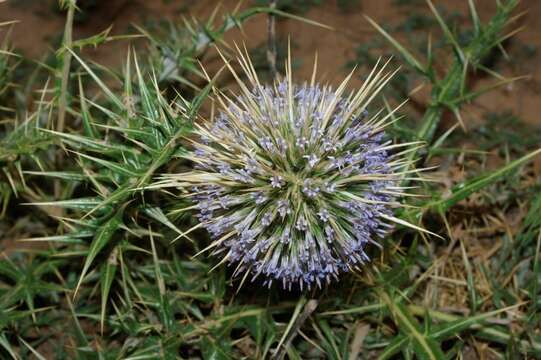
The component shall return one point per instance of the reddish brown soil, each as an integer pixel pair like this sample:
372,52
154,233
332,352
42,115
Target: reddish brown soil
39,24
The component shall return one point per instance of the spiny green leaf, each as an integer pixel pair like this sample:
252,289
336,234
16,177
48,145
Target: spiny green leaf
79,203
64,175
108,271
115,167
110,95
406,54
102,238
157,214
450,37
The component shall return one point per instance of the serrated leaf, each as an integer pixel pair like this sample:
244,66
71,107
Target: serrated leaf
115,167
406,54
447,32
157,214
108,271
111,96
102,238
79,203
64,175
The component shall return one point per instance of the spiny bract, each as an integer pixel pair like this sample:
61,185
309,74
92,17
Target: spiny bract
293,181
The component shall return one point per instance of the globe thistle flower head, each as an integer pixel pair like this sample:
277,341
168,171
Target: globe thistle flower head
294,181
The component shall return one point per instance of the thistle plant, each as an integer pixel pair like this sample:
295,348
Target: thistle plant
90,267
294,181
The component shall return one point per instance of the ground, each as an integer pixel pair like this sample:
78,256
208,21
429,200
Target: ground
478,223
39,24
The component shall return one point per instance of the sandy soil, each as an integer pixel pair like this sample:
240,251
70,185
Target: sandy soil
39,25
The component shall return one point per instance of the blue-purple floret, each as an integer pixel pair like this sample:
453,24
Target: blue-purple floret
284,211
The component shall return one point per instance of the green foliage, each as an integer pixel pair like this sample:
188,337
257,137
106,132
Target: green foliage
175,48
118,157
20,147
449,90
20,141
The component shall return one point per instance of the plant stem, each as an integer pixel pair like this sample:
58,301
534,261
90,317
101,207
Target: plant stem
271,30
62,100
66,64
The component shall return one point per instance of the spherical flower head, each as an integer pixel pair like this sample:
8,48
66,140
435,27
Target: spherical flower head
294,181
